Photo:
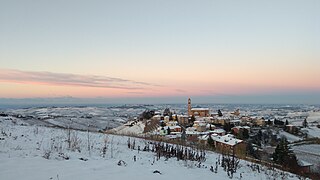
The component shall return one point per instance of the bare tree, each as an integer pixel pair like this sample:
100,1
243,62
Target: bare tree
88,138
105,147
111,147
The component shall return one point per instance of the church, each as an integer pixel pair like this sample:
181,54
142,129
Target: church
200,112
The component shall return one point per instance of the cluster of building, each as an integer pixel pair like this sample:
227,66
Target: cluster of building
230,132
198,125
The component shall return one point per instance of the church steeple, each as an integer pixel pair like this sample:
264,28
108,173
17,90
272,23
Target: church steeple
189,107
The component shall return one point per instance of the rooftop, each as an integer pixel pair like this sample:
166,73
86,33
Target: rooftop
304,163
200,109
226,139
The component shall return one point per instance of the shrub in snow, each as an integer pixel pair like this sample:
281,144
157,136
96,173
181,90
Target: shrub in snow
121,163
75,142
105,147
83,159
64,156
47,154
157,172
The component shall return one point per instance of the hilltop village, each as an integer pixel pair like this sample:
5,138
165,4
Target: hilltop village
198,125
264,139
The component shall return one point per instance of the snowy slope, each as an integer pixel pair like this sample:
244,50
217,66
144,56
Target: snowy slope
312,131
309,153
136,129
23,148
97,118
314,116
290,137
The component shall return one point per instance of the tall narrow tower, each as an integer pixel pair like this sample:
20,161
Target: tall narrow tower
189,107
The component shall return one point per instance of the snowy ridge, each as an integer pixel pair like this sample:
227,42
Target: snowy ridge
82,118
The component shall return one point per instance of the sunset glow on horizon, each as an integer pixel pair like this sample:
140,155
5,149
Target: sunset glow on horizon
141,49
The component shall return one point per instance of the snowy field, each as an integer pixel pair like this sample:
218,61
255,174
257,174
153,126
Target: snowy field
314,117
136,129
111,116
94,118
309,153
290,137
312,132
32,153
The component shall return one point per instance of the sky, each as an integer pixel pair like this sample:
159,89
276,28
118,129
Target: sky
215,51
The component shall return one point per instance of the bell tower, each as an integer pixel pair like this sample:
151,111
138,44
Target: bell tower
189,107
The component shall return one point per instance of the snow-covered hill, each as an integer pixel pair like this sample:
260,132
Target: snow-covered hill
92,117
32,152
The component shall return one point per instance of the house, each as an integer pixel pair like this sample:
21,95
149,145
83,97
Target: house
210,127
192,134
183,119
166,119
246,119
259,121
157,113
269,122
204,119
220,132
200,126
236,112
176,129
304,167
238,128
235,122
169,129
172,123
292,129
227,144
221,120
